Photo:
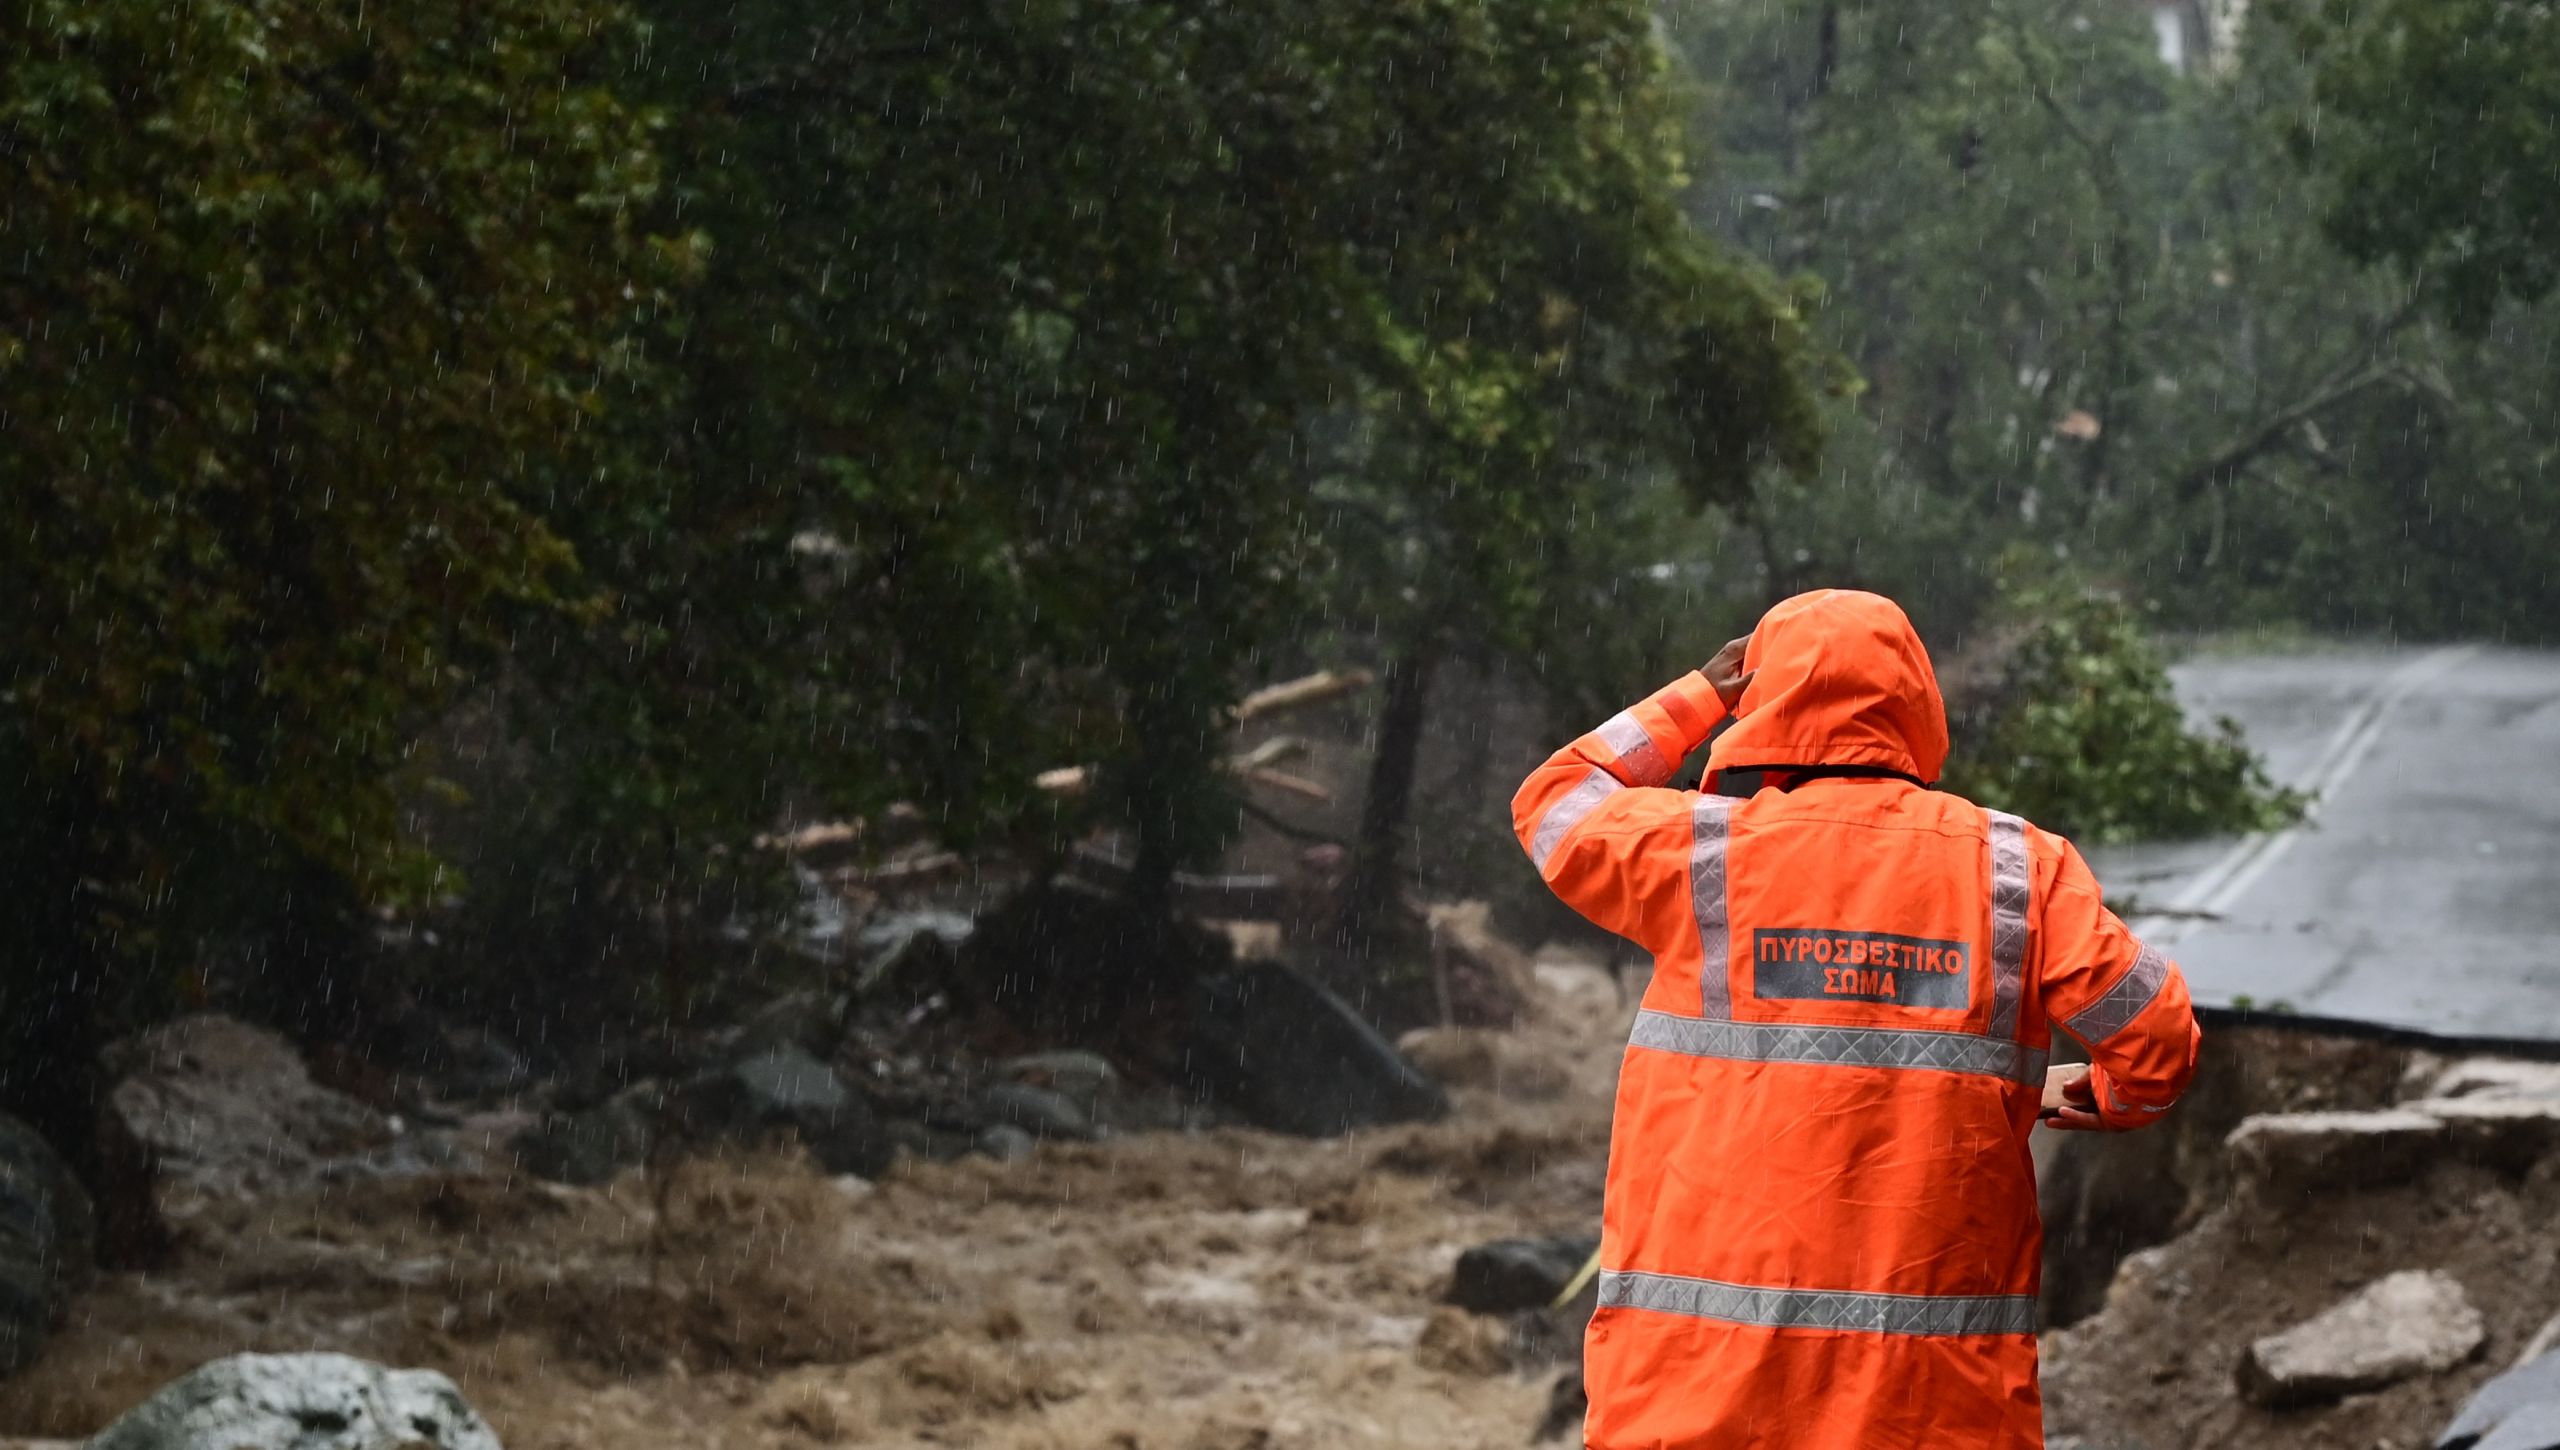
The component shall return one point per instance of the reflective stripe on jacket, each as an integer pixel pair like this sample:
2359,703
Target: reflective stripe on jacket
1820,1226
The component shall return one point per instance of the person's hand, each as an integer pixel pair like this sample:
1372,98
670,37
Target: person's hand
1726,673
2070,1100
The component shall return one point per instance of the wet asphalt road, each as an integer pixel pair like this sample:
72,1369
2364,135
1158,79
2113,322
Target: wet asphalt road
2424,891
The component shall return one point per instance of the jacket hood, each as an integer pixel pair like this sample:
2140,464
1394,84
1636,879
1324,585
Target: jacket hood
1842,680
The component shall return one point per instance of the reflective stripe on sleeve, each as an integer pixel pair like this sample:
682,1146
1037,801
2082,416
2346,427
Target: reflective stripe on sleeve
1933,1314
1636,752
1708,834
1597,786
2012,875
1838,1046
2122,1002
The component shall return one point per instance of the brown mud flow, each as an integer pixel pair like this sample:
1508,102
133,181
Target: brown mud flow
1207,1291
1231,1289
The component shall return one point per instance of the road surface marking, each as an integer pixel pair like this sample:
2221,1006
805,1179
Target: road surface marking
2213,889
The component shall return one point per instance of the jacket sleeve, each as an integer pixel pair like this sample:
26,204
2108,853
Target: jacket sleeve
2123,1001
1598,824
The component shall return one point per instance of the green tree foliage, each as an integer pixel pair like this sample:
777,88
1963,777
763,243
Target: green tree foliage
1091,349
294,298
2098,316
2432,139
2084,736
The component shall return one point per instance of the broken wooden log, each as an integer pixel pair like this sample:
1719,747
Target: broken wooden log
1296,694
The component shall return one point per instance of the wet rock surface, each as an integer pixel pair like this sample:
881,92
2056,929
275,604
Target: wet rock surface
2410,1323
1509,1275
2287,1156
47,1242
301,1402
588,1146
225,1109
1295,1058
786,1089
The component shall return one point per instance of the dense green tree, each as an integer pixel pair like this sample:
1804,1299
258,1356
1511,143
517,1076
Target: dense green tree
2097,315
305,309
2432,139
1035,315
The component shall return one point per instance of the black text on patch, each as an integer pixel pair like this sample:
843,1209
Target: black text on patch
1818,964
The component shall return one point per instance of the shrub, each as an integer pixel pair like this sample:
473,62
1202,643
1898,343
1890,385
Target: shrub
2083,734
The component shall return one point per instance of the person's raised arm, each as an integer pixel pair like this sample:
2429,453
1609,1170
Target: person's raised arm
1583,815
2123,1001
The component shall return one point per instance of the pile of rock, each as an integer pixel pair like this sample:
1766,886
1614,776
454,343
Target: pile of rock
2283,1298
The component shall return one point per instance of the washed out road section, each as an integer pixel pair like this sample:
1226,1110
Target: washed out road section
2424,892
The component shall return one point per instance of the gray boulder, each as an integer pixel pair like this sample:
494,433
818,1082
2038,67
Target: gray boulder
1006,1143
47,1241
1037,1111
2519,1410
2402,1325
2508,1131
1508,1275
301,1402
2496,1077
911,955
1292,1057
2285,1156
785,1088
808,1020
1086,1079
228,1110
481,1065
588,1147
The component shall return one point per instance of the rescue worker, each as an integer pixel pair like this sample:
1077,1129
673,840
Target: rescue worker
1820,1228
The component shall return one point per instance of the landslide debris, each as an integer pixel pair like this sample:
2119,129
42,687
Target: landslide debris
2354,1271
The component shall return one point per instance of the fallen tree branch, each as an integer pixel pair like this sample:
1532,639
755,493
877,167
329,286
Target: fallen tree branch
2246,449
2348,380
1296,694
913,871
1270,752
1253,765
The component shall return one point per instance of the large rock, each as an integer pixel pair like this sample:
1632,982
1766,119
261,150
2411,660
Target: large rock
2410,1323
1086,1079
2496,1077
228,1110
2285,1156
2504,1131
911,955
301,1402
2519,1410
1509,1275
1293,1057
811,1021
47,1240
588,1147
1043,1114
787,1089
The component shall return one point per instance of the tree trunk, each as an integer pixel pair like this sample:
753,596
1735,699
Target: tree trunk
1371,895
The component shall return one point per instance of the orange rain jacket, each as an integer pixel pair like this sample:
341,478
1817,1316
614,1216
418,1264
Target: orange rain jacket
1821,1222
